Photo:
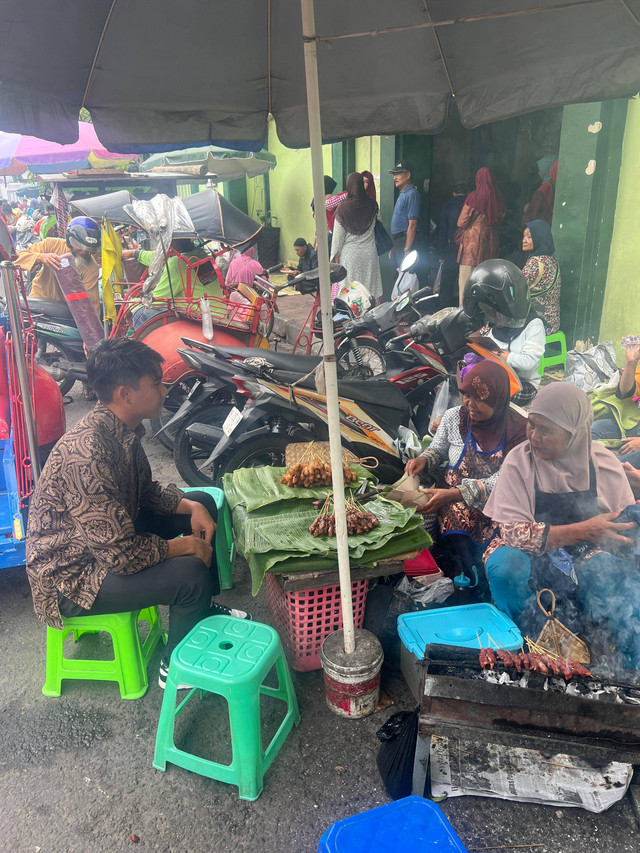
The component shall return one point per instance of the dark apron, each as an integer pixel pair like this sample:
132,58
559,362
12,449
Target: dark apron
553,509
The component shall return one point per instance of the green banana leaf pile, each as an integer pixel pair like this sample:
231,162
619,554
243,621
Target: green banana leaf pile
258,487
275,535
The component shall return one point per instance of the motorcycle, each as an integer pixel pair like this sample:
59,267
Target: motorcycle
280,406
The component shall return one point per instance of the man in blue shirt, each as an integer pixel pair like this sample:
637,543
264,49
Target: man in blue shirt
406,213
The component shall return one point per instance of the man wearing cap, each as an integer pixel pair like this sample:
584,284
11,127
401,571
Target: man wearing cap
307,255
406,213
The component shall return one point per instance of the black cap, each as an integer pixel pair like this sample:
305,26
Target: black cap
300,242
401,166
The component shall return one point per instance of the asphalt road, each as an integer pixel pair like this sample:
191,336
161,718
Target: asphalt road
76,772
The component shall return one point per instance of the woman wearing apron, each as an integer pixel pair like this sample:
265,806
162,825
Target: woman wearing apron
472,440
558,490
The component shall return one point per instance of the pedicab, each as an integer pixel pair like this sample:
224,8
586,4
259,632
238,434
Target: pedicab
240,316
31,411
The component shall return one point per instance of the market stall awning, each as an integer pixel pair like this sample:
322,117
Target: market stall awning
19,153
211,162
385,66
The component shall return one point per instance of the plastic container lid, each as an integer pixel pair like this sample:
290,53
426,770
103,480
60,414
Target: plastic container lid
410,824
468,626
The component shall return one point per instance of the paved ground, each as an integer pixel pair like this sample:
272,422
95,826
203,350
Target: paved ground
76,772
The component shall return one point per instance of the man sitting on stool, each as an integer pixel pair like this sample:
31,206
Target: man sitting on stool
101,531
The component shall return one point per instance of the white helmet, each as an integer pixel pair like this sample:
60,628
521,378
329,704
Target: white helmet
354,298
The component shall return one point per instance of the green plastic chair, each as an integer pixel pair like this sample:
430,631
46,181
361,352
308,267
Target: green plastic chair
130,657
225,545
229,657
556,356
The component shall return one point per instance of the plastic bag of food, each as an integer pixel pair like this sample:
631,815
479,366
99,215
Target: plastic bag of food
440,406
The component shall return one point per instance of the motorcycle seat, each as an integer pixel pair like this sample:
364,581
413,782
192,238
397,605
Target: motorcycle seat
374,391
280,360
50,308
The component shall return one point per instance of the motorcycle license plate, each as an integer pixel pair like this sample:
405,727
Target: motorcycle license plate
231,421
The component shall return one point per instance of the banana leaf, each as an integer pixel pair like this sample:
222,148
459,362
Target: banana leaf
401,543
274,535
258,487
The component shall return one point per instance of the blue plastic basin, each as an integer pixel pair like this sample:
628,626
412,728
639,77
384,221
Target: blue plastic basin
410,825
472,626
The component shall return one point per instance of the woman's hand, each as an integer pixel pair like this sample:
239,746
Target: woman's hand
602,528
629,446
415,466
633,475
439,498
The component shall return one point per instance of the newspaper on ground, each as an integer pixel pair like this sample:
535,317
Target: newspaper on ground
467,768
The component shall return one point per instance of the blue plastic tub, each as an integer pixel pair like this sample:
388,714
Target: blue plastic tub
469,626
408,825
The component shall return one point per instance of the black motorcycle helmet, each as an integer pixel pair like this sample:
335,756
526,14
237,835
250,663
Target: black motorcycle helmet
83,233
498,290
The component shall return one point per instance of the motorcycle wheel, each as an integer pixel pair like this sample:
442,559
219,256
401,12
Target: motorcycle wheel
186,456
256,453
374,362
172,402
49,358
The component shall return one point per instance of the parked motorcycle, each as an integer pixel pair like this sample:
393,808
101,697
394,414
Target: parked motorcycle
279,407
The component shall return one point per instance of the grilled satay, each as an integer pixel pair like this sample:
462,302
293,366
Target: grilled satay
487,658
506,657
538,664
578,669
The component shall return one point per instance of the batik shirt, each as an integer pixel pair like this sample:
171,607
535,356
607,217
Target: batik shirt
83,512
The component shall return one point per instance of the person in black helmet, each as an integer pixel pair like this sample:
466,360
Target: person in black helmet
83,242
498,291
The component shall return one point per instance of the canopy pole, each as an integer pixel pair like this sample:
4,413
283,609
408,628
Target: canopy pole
15,319
329,357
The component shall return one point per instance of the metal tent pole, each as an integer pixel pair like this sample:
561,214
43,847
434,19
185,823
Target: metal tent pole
329,357
21,365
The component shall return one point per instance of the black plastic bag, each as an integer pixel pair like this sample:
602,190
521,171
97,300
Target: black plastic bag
396,755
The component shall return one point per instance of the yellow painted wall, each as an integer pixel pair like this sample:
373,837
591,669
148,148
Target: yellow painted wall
291,190
621,309
368,157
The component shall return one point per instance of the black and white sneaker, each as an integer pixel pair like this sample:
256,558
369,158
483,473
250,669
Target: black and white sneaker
221,610
164,672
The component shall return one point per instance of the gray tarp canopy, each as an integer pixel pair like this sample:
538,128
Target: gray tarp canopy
213,216
198,72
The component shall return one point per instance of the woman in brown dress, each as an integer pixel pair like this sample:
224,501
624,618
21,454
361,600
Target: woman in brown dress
478,223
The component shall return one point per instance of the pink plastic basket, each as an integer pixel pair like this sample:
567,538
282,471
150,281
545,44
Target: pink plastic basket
303,619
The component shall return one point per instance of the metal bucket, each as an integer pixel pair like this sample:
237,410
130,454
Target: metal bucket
352,682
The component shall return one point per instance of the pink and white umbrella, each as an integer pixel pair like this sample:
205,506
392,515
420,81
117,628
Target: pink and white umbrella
19,153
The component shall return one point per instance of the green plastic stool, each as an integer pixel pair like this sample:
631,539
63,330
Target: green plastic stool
225,546
557,356
130,658
229,657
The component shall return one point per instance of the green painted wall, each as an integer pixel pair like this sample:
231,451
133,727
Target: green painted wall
621,311
291,189
584,210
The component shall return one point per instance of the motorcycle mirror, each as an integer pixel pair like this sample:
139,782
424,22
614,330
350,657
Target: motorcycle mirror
408,261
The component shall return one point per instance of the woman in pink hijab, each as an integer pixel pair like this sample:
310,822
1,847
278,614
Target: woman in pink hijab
243,269
478,224
556,501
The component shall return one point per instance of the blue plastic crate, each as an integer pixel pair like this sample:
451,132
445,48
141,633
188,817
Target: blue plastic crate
469,626
408,825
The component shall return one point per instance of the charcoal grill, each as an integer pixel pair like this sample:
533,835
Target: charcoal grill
458,700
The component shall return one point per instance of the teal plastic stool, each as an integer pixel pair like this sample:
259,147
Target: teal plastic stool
130,657
225,546
556,356
229,657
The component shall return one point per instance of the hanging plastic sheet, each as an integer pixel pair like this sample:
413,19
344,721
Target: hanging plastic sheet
161,218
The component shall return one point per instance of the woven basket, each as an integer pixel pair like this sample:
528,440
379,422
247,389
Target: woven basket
317,449
557,639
